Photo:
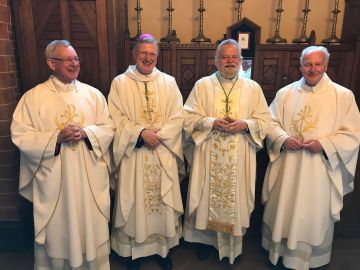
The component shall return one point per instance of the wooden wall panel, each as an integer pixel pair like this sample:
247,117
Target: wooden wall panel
165,60
268,72
293,72
49,11
350,29
192,63
187,70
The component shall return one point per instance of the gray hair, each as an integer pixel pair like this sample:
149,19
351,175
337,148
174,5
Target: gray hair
227,42
145,38
51,47
312,49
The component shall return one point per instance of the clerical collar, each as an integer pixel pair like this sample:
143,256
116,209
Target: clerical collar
134,74
143,75
62,87
316,87
225,80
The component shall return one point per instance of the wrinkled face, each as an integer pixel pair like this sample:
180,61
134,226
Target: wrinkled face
65,64
228,61
145,56
313,67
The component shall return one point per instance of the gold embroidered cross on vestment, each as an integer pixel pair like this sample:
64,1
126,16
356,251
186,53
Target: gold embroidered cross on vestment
303,122
150,114
68,117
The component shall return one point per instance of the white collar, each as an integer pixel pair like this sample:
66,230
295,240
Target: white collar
63,87
316,87
134,74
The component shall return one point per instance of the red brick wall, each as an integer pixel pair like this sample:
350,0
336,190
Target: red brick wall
10,205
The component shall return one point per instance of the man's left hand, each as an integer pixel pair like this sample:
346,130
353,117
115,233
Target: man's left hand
236,126
313,146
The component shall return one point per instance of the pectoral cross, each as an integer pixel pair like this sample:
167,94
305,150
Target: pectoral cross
227,96
227,105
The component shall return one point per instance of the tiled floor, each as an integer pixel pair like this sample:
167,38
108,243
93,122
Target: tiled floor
345,256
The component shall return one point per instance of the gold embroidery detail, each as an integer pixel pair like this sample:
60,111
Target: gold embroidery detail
223,161
150,114
151,119
303,123
220,227
152,184
70,116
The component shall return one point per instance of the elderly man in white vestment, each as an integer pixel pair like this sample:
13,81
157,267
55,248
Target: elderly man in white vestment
313,146
146,106
226,118
63,130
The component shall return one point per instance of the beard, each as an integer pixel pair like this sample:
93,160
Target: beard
229,75
229,71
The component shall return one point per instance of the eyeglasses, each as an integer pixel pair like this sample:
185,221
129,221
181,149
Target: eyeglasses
67,60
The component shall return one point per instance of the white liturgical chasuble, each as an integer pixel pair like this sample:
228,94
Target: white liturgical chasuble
223,166
148,201
304,191
69,191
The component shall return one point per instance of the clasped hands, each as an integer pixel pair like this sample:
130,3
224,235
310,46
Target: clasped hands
151,137
293,144
230,125
71,134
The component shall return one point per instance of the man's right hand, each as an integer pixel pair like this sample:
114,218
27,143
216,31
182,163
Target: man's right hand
69,134
292,144
220,124
151,138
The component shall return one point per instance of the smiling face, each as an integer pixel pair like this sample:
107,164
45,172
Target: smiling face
313,67
145,56
228,61
65,71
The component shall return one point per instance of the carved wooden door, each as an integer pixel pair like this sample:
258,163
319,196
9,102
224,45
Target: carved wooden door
84,23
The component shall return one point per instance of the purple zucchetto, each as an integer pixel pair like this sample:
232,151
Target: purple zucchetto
144,36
